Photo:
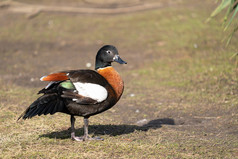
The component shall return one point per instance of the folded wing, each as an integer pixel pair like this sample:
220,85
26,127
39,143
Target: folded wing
81,86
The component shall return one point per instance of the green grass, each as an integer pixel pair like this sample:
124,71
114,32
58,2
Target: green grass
178,70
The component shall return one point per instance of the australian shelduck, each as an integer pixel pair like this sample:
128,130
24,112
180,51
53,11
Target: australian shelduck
81,92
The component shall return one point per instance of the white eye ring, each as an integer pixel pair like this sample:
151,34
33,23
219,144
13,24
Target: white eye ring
108,51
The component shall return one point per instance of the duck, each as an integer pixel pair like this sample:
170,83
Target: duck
81,92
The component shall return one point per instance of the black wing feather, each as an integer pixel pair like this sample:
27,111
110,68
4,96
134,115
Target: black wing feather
48,103
78,98
49,107
56,107
86,76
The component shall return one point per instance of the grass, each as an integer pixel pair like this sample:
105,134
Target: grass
183,80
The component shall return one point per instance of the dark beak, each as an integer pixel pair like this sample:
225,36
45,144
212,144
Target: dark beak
119,60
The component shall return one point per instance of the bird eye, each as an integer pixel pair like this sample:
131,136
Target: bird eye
108,51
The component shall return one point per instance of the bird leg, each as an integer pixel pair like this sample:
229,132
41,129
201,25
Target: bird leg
73,137
85,127
85,137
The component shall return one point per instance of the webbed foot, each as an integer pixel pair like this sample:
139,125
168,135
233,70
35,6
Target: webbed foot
85,138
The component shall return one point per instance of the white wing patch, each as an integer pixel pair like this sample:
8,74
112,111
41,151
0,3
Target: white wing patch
91,90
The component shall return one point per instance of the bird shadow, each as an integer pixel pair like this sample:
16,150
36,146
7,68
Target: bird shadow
111,130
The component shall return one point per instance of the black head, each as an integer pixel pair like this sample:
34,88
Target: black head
106,55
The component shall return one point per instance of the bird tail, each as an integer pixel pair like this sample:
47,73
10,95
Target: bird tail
46,104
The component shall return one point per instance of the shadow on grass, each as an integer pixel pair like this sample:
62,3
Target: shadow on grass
112,130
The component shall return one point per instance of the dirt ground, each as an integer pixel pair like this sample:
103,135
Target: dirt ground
188,98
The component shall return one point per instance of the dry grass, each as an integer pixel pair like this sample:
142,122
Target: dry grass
183,80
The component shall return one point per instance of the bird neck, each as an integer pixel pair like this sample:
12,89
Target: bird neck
101,64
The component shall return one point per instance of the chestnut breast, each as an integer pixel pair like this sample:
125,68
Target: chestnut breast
113,78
